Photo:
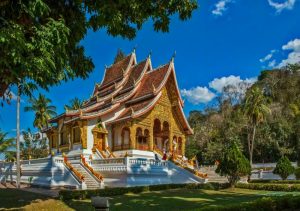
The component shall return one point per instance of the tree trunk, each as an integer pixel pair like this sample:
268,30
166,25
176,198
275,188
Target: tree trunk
18,139
252,144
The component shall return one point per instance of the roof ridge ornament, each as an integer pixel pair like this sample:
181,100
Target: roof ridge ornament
153,88
173,56
132,111
150,53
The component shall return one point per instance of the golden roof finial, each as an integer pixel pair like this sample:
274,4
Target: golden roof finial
173,56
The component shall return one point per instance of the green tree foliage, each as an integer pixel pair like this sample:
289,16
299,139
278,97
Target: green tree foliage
5,142
256,109
33,146
297,173
284,168
75,104
277,135
40,39
233,164
120,55
43,110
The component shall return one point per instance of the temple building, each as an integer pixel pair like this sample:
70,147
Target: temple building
135,107
131,131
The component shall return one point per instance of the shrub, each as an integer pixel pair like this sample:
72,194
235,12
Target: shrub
83,194
284,168
288,202
297,173
270,187
276,181
234,165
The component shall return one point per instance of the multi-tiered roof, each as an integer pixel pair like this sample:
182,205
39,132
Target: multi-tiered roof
128,90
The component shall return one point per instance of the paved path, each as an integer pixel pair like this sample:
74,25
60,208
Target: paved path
42,191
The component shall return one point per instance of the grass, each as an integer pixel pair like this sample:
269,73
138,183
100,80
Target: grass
179,199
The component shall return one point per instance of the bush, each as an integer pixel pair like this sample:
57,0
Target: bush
234,164
297,173
288,202
84,194
270,187
276,181
284,168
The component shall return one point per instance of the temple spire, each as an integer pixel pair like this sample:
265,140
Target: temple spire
173,56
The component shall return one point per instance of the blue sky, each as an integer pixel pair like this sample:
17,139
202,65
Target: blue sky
225,42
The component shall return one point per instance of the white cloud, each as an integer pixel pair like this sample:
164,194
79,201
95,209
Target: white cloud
220,7
219,83
294,55
268,57
288,4
198,95
272,63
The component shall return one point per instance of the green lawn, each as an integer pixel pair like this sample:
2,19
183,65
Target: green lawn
179,199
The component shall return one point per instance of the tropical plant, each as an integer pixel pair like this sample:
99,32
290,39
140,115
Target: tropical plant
33,146
10,156
284,168
40,39
5,143
256,109
75,104
233,164
42,109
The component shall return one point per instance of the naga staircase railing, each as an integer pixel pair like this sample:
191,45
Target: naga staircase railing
79,176
96,174
157,150
109,151
187,165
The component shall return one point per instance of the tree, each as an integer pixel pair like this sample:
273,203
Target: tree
234,164
5,143
256,109
42,109
40,39
120,55
284,168
75,104
33,146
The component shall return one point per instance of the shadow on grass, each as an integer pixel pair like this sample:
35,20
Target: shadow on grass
170,200
13,198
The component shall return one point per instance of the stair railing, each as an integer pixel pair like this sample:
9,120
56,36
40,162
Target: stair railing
79,176
109,151
96,174
157,150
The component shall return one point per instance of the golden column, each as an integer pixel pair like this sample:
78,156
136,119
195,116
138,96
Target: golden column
183,145
151,139
132,137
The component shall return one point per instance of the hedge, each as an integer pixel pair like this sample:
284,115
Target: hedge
269,187
288,202
276,181
86,194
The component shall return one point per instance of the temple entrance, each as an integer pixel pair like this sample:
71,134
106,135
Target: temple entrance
161,135
99,135
142,139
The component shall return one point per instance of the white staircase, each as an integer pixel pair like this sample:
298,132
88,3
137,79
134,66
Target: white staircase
90,181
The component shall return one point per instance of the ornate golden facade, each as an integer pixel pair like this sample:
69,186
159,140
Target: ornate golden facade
134,108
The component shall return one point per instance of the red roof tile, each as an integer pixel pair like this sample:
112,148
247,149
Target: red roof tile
115,71
150,80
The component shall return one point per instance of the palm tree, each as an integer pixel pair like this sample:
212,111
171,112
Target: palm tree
43,110
75,104
5,143
255,108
